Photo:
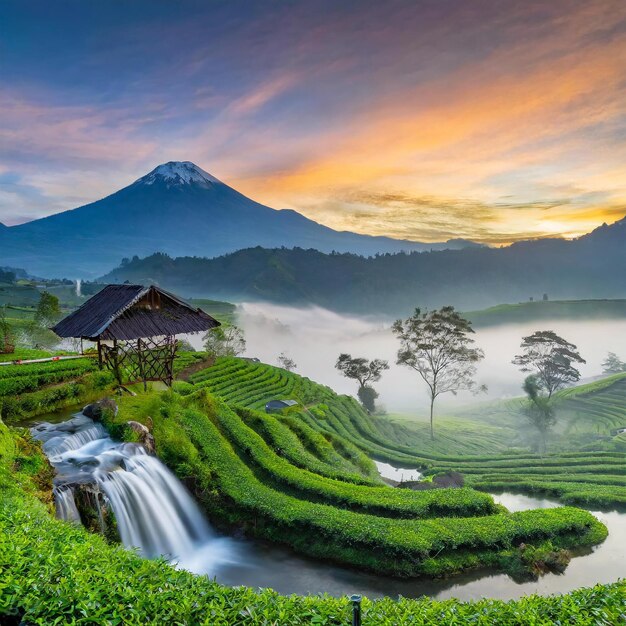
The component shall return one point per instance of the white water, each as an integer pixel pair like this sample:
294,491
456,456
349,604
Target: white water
66,505
154,512
398,474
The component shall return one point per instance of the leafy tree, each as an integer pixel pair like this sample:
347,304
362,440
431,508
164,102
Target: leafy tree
225,340
613,364
551,358
364,372
368,395
286,362
7,338
438,346
48,310
539,409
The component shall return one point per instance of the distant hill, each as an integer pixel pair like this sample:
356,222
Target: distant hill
548,310
178,209
591,267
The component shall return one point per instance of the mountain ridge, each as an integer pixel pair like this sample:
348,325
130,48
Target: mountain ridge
470,278
179,209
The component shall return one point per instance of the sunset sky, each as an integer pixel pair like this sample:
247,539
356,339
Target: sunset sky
426,119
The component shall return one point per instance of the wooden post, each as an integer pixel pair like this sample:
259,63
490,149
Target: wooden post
116,363
142,367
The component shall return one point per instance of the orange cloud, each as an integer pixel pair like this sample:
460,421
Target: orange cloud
530,113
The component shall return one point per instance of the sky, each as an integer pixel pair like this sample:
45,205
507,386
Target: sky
422,119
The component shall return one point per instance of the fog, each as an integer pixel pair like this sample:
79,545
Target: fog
314,337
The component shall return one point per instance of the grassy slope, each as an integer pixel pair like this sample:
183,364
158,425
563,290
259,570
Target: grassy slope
549,310
241,481
44,580
588,477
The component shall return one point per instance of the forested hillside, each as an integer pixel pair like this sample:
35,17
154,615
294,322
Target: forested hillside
474,278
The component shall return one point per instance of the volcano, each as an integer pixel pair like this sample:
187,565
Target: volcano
178,209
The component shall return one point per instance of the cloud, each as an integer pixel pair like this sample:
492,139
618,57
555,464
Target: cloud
486,120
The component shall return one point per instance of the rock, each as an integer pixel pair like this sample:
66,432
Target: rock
145,437
95,410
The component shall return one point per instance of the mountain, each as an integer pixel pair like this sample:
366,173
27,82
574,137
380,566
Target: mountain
178,209
592,267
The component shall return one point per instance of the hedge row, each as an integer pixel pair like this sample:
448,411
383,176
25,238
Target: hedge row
286,442
401,547
381,501
342,417
16,408
27,378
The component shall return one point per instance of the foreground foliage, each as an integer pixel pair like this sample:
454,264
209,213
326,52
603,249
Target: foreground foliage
52,572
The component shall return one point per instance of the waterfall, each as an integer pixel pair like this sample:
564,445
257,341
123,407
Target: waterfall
154,512
66,505
78,285
60,444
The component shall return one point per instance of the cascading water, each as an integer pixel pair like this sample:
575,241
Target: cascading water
154,512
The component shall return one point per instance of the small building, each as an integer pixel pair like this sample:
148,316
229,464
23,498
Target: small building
135,329
276,406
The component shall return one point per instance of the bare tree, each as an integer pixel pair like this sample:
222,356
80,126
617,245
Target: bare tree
550,357
364,372
438,346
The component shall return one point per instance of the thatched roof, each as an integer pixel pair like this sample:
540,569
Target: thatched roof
131,312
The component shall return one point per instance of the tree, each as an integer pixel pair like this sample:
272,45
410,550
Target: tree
225,340
7,338
539,409
48,310
368,395
286,362
364,372
438,346
613,364
550,357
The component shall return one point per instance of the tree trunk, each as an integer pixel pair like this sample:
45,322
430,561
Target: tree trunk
432,430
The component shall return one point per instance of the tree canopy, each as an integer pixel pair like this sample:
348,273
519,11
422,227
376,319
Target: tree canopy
613,364
551,358
48,309
286,362
225,340
438,346
364,372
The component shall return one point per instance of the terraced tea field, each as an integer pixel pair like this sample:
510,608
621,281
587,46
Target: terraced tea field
586,477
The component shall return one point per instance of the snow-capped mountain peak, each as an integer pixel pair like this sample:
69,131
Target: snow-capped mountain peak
178,173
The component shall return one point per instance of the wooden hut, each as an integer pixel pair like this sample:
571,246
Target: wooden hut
135,329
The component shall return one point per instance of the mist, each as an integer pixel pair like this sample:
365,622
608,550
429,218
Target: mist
313,337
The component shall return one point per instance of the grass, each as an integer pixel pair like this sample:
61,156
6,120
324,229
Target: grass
222,311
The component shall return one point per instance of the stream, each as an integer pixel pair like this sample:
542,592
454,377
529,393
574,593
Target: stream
156,515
